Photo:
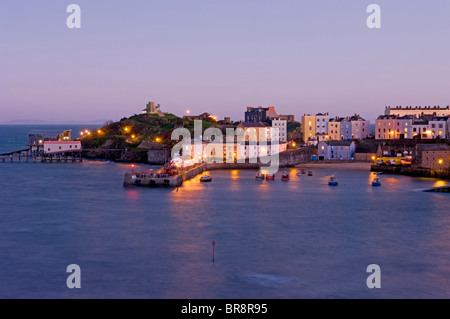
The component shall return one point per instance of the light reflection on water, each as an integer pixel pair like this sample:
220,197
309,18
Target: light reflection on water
296,239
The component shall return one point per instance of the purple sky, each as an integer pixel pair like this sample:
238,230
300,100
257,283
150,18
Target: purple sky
220,57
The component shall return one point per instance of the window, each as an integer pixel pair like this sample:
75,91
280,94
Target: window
60,147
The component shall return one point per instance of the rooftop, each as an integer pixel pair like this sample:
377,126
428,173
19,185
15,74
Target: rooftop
433,147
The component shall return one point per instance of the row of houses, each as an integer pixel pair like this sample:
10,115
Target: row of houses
427,126
320,127
199,151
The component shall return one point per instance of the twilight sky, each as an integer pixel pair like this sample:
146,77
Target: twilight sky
220,56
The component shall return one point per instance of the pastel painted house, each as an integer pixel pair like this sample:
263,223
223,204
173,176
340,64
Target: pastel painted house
336,150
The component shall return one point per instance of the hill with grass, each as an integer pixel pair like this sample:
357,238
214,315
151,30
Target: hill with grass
120,140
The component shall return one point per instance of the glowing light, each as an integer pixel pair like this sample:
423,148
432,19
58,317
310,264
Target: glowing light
81,133
40,141
158,139
293,144
126,129
133,136
440,161
188,112
99,132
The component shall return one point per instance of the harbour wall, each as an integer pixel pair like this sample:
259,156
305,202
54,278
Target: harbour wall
410,171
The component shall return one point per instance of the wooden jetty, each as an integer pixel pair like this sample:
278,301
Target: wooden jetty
43,158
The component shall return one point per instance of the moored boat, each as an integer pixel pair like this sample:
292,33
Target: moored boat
259,176
310,173
299,173
270,177
376,182
333,181
206,178
285,176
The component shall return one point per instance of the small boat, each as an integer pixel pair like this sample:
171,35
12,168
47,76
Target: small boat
310,173
270,177
376,182
303,172
206,178
259,176
285,176
333,181
299,173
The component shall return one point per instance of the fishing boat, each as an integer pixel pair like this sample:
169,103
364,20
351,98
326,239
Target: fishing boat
333,181
376,182
205,178
259,176
270,177
310,173
285,176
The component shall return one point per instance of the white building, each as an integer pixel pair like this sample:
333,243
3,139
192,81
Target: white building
439,126
281,125
360,127
417,111
390,127
334,129
59,147
322,123
336,150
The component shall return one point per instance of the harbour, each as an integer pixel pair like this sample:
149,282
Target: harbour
274,239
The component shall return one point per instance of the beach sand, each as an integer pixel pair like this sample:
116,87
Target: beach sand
337,165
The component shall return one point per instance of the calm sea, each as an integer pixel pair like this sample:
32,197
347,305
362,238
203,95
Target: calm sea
296,239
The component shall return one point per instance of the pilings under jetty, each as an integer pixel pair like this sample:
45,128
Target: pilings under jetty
40,159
